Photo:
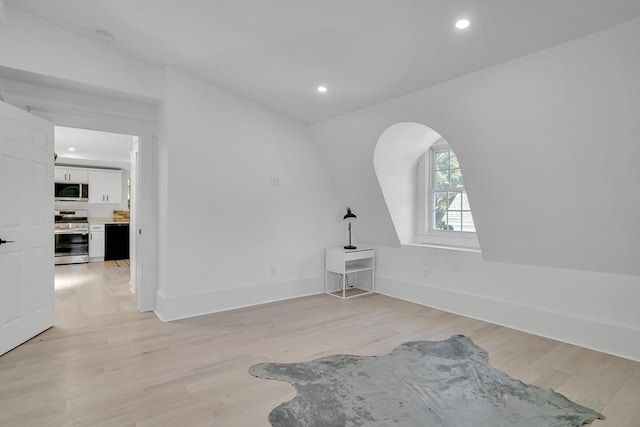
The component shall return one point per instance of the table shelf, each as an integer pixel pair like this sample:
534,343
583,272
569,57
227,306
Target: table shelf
353,268
343,262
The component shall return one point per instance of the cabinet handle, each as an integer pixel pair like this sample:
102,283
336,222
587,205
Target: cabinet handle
107,197
69,176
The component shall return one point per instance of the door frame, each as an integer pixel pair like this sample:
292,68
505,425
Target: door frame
146,228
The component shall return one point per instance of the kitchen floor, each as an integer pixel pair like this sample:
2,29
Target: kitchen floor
108,294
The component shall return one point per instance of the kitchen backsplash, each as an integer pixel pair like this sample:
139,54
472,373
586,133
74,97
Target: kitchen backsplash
95,210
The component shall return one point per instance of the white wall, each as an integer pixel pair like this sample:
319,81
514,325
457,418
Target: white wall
217,153
30,91
32,44
226,226
221,226
86,107
395,161
59,105
531,135
594,310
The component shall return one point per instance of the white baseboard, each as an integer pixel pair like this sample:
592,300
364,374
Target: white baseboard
597,334
182,306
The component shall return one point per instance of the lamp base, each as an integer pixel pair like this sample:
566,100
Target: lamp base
350,247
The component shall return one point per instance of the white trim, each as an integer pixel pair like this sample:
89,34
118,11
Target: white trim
176,307
619,339
447,247
103,120
440,146
88,113
425,235
460,239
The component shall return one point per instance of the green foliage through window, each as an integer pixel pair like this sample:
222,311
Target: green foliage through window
451,210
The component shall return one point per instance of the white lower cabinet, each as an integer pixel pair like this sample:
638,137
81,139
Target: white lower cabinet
96,242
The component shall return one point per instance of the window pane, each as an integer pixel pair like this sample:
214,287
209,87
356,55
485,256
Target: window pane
442,160
442,179
456,178
439,219
467,222
453,161
454,220
455,201
465,202
450,210
440,203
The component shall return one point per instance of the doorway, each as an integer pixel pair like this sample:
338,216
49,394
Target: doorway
144,127
106,163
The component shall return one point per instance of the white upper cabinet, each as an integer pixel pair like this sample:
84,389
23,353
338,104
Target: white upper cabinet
74,175
113,182
105,186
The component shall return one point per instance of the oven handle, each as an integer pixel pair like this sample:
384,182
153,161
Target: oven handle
71,232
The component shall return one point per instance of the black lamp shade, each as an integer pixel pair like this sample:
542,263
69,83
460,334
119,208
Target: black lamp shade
349,214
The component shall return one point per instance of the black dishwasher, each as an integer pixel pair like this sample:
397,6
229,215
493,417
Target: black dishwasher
116,241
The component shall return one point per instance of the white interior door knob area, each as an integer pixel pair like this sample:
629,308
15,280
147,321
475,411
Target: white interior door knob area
26,226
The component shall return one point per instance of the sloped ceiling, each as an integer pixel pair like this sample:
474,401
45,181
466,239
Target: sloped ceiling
365,52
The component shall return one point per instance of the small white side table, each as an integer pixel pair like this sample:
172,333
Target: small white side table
340,261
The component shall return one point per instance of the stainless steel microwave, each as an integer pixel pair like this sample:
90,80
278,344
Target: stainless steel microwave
70,192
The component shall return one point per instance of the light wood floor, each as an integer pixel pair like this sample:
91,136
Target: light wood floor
104,364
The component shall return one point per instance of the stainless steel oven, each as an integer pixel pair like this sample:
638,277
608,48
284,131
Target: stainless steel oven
71,237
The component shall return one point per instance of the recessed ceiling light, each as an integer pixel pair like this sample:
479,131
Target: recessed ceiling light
72,149
322,89
461,24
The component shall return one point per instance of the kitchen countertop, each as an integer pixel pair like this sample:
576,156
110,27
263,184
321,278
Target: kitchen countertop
105,220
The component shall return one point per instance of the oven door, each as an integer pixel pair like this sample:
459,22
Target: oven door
71,247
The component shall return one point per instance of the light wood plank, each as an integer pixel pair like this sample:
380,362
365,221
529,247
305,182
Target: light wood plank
105,364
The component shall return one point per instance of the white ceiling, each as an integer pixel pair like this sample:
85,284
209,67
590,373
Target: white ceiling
277,52
92,148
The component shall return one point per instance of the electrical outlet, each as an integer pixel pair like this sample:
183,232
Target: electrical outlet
273,271
275,181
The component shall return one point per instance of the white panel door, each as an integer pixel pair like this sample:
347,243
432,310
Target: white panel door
26,226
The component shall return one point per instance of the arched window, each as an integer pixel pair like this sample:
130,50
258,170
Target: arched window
422,183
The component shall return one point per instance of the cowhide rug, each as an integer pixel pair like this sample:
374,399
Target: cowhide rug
421,383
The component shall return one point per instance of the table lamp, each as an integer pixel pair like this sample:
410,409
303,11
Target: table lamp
349,217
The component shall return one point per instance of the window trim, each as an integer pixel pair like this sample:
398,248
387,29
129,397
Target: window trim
425,233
